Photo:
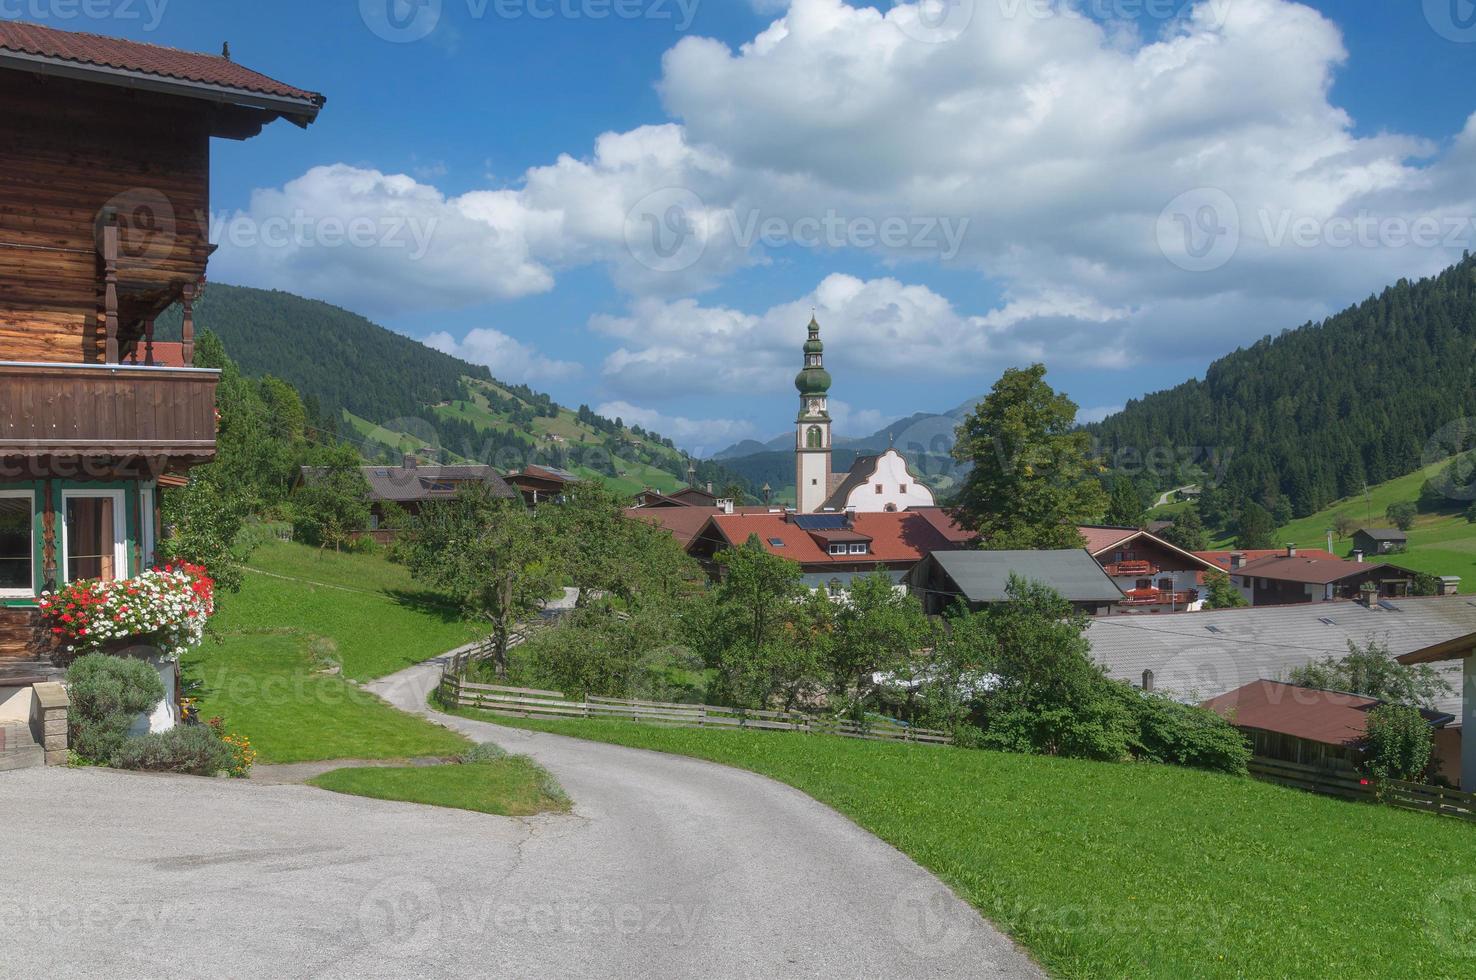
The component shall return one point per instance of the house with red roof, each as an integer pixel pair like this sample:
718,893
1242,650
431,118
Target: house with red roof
1155,575
1314,727
1292,576
831,549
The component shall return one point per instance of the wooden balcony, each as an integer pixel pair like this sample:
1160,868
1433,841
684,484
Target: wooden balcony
1161,597
115,411
1131,569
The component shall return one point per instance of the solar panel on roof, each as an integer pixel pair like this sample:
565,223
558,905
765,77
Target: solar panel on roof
1214,629
1325,621
820,522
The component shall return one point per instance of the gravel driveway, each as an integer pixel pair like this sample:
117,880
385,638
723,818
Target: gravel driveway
669,867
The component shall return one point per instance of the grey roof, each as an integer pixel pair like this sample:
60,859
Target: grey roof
1383,533
858,475
428,481
983,576
1201,655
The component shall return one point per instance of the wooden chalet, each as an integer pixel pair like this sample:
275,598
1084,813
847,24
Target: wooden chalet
540,484
104,214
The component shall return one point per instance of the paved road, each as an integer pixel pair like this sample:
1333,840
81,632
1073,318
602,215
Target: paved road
668,867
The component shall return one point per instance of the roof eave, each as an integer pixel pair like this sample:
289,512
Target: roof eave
300,111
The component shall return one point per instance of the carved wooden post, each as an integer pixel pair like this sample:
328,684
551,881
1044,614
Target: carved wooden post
110,287
149,341
48,539
188,331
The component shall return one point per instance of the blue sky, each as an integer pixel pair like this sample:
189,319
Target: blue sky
1083,152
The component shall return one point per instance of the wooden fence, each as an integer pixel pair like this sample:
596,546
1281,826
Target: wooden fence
1351,785
519,702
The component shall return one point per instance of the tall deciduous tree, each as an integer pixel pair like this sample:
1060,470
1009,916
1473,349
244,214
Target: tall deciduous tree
334,503
876,629
1033,478
492,554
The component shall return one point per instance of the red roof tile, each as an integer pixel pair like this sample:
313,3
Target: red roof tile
900,537
145,59
1304,569
1099,539
944,524
1222,558
1331,717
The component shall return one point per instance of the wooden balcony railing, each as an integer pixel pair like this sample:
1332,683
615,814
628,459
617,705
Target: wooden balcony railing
1161,597
1131,569
112,410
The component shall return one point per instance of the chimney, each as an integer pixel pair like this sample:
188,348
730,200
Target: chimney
1291,551
726,506
1237,559
1358,555
410,461
1148,680
709,488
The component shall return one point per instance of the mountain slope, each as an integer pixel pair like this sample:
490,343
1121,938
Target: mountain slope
1317,413
392,393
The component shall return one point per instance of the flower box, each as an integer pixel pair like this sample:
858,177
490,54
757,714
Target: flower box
165,608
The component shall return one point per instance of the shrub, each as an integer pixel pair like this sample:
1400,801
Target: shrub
1183,734
1403,514
1398,742
485,752
107,694
195,750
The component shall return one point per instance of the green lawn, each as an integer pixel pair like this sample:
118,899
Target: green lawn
1105,870
264,673
265,687
363,611
514,786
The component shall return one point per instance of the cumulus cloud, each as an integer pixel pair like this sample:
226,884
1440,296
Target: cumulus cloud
508,358
1130,194
700,437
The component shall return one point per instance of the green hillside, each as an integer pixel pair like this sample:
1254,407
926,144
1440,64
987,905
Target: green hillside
1442,542
391,394
1310,417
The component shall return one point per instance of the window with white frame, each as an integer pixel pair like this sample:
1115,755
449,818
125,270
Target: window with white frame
17,543
94,535
837,549
858,549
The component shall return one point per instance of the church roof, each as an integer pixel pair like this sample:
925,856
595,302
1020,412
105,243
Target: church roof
859,476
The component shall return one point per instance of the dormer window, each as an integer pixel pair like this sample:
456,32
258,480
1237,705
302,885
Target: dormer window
859,549
837,549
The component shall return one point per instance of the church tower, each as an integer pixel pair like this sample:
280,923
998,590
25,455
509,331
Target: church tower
812,429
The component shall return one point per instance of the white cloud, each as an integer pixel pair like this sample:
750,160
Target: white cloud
851,421
701,437
1051,141
875,330
508,358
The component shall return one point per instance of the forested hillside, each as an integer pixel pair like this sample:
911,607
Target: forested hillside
1315,414
372,384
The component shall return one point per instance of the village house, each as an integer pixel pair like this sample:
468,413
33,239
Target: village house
1290,576
976,579
1323,729
831,549
540,484
1194,657
685,497
106,154
1154,575
407,488
1458,657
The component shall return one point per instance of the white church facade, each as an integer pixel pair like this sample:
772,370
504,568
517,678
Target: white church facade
875,484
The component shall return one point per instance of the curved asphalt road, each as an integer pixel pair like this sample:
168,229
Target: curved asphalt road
669,867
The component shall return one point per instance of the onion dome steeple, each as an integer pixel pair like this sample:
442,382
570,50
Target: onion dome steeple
813,379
